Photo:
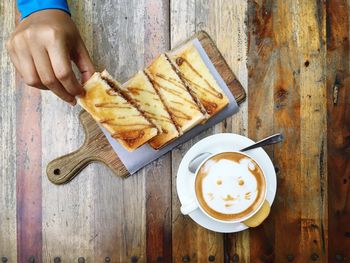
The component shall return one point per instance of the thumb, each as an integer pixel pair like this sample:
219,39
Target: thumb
83,61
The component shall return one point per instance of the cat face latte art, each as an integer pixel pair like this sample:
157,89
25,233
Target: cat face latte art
230,187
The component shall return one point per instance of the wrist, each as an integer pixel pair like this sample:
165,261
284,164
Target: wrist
28,7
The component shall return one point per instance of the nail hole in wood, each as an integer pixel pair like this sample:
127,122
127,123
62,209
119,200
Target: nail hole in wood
307,63
185,259
339,257
81,260
134,259
107,259
57,171
31,259
211,258
235,258
57,260
4,259
314,257
290,258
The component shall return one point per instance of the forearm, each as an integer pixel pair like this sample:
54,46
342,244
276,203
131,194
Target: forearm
27,7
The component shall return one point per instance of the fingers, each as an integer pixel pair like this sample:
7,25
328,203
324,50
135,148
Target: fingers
47,75
62,67
13,55
83,61
48,65
26,67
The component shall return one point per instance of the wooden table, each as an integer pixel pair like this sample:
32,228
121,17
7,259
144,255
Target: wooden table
293,59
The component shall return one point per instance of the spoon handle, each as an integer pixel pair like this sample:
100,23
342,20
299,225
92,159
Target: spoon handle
276,138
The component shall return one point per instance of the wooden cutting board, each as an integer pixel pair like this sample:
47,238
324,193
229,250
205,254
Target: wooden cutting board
96,147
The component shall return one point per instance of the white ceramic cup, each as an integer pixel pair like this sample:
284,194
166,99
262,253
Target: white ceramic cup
192,204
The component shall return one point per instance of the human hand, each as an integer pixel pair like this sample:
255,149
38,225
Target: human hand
42,48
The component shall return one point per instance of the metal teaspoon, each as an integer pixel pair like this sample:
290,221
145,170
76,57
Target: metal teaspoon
196,161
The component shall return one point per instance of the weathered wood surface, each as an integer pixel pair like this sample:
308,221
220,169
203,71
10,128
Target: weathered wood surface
287,72
297,80
191,241
8,227
338,132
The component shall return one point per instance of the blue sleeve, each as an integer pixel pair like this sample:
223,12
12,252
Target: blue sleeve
27,7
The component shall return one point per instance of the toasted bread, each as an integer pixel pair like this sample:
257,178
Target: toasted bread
201,82
109,108
178,101
140,91
190,90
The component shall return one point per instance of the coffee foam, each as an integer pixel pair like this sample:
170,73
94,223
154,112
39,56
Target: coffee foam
228,188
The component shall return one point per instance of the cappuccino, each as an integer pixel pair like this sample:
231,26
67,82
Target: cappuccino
230,186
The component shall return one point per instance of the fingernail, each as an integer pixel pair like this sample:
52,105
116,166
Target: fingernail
73,103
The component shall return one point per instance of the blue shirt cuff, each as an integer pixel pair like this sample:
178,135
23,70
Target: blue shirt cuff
27,7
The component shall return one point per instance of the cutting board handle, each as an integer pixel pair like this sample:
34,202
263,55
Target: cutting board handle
95,148
65,168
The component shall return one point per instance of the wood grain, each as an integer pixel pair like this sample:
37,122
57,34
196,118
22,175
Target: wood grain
284,61
338,132
190,241
158,174
67,210
313,129
298,73
8,228
229,30
119,206
29,192
266,73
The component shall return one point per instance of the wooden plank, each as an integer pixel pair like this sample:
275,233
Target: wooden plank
229,31
8,229
119,205
190,241
270,65
28,167
281,57
67,210
158,174
28,163
311,38
338,132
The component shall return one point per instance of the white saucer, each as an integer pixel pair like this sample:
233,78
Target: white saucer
214,144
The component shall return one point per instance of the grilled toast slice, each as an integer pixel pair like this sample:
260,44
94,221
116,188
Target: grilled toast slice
141,92
120,118
184,111
201,81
